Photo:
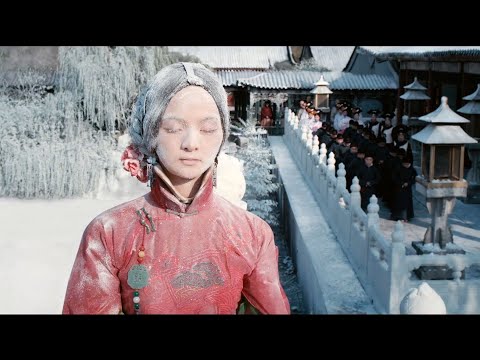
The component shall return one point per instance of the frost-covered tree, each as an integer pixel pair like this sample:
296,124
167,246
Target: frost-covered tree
310,64
58,133
46,152
107,79
258,170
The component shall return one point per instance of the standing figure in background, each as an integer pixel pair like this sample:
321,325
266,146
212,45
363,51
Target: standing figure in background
266,115
403,178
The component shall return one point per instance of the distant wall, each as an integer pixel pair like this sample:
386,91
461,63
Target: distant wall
24,57
15,58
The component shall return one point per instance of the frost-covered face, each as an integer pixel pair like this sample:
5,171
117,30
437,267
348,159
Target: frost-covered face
190,135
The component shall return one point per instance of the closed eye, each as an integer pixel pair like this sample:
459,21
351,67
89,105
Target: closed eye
209,131
173,131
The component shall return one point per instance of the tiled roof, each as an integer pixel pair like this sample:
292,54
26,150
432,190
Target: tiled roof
291,79
229,77
236,57
333,58
423,50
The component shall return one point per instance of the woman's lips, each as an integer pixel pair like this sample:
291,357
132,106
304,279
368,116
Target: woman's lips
190,162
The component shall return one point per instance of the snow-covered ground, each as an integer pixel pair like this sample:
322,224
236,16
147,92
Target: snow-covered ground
39,240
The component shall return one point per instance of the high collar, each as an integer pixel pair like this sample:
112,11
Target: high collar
165,195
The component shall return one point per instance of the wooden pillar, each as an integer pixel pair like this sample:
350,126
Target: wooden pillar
461,86
400,102
430,88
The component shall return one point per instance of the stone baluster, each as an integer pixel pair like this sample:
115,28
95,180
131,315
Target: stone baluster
322,159
315,148
355,199
331,163
304,134
309,141
372,210
341,180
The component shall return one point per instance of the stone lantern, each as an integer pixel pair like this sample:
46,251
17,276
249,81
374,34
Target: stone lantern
472,108
415,103
443,145
414,96
322,94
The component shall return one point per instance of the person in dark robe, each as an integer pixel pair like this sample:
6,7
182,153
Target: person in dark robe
369,178
390,164
403,178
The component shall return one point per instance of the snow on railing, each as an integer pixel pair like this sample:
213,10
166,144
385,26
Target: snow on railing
382,265
358,233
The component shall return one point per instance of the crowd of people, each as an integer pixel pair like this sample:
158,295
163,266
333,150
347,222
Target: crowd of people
378,153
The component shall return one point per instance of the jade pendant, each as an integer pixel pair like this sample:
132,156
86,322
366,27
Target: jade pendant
138,277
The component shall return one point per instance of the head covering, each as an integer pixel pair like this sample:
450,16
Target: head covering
155,97
407,159
381,139
356,110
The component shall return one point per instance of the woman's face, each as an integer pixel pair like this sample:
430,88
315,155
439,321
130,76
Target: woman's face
190,135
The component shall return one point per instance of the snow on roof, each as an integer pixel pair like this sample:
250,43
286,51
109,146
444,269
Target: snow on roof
333,58
423,50
415,85
474,96
443,134
295,79
236,57
230,77
472,107
414,95
444,115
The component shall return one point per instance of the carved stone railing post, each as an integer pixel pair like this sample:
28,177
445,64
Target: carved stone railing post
322,159
331,163
315,147
372,209
341,181
399,274
355,199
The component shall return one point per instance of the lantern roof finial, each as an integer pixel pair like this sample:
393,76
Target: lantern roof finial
444,115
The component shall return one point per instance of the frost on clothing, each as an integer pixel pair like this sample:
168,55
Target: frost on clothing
200,259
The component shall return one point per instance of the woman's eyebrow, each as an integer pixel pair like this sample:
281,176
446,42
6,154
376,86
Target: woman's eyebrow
210,118
173,117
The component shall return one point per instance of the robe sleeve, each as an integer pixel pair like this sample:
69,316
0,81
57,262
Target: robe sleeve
262,286
93,287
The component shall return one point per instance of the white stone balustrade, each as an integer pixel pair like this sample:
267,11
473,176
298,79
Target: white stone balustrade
381,265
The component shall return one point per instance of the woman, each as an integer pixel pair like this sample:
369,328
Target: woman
266,115
180,249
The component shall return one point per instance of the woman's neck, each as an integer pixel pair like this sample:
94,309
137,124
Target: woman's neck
188,188
184,190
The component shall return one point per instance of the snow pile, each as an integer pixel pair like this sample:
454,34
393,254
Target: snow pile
422,300
230,179
115,182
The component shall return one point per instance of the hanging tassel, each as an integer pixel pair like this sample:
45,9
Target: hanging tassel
150,174
150,162
215,172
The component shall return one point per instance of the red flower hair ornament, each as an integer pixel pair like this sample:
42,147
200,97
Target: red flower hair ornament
134,162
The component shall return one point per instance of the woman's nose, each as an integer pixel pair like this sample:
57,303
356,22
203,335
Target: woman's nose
191,140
